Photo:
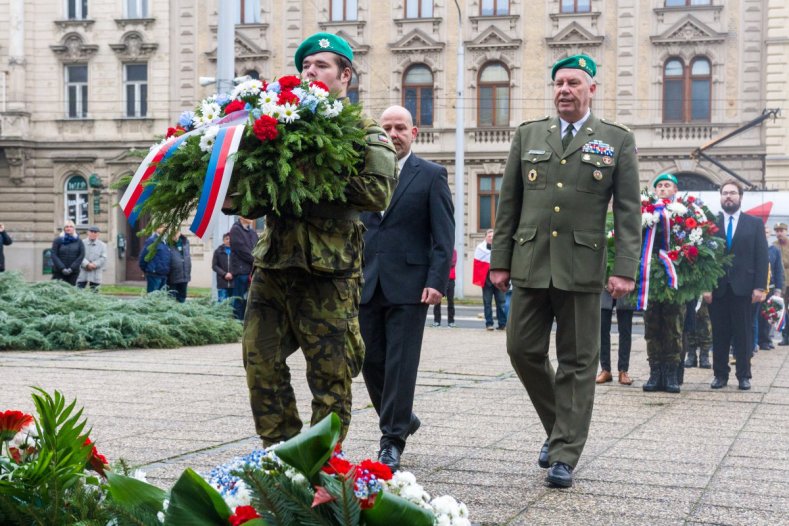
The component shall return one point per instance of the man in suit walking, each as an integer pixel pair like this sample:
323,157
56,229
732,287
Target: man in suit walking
742,285
550,239
407,255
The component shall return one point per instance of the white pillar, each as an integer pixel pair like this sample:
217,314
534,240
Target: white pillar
15,90
460,226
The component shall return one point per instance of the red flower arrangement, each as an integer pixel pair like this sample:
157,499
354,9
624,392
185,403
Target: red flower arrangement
265,128
242,515
234,105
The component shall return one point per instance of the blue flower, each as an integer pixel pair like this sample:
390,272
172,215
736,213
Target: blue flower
310,102
713,245
275,87
256,113
681,235
185,119
222,99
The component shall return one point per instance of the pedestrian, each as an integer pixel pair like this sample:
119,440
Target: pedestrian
306,286
624,324
782,244
158,268
243,239
407,255
550,241
742,285
450,296
94,262
664,321
221,262
5,240
67,254
180,267
775,287
489,291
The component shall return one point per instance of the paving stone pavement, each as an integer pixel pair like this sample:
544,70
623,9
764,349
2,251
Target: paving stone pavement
698,457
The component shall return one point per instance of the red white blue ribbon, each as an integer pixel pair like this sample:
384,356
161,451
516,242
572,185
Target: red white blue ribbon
642,295
671,271
217,177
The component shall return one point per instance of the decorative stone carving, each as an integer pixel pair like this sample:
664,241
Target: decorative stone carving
493,39
73,49
134,47
16,158
416,41
248,55
688,30
576,36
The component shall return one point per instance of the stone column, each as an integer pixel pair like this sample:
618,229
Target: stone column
16,57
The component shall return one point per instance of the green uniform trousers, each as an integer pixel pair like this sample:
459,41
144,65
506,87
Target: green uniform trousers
663,327
292,308
563,399
701,337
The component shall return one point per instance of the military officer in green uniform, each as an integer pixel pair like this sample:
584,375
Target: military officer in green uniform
550,241
305,288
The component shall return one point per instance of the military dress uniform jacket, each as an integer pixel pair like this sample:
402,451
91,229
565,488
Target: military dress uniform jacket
328,239
550,223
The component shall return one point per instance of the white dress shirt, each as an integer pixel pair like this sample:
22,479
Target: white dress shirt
576,125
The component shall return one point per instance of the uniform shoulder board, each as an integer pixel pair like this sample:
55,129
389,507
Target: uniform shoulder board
613,123
538,119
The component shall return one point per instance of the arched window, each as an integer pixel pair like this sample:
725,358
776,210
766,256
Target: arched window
353,87
252,73
493,95
418,94
76,201
687,90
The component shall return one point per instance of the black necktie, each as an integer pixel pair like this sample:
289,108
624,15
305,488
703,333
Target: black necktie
568,137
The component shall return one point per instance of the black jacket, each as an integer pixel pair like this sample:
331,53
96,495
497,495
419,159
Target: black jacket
221,265
67,255
410,247
748,270
242,242
5,239
180,261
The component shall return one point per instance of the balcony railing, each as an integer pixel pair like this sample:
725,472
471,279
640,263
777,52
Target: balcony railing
685,132
494,136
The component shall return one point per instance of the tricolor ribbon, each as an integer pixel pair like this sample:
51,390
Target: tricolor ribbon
642,296
671,271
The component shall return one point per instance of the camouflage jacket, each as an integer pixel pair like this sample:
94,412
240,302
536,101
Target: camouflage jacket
328,238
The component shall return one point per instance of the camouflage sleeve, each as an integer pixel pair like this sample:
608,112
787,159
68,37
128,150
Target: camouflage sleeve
371,189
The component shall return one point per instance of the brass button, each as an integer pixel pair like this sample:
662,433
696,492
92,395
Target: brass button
520,240
555,233
595,245
563,161
557,209
560,185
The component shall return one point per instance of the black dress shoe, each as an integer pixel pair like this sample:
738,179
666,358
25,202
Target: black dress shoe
719,383
560,475
390,455
745,384
542,460
413,427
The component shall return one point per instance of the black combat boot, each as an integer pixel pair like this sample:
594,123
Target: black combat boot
655,382
690,360
670,377
680,374
704,359
784,339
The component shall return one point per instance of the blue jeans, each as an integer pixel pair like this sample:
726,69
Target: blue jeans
223,294
488,293
155,282
240,288
507,299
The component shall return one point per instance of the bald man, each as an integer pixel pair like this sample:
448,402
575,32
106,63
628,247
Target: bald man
407,255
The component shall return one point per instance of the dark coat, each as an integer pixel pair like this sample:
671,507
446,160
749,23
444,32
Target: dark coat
180,261
5,239
748,270
66,255
777,278
221,264
410,247
242,242
159,265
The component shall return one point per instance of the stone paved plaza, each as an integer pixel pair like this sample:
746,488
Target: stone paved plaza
699,457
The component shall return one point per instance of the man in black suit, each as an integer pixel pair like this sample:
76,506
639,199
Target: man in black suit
743,284
407,254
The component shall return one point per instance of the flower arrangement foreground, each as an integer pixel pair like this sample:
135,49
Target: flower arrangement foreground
52,473
284,143
773,310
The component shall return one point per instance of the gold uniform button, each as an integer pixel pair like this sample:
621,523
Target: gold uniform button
557,209
555,233
560,185
563,161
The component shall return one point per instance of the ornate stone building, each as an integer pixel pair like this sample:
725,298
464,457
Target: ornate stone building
87,84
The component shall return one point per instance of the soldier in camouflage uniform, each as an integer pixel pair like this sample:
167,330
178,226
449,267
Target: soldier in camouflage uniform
782,242
700,338
664,322
306,283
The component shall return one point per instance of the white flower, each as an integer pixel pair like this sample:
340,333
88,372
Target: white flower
208,138
241,497
268,98
288,113
247,88
695,236
677,208
319,92
139,475
443,520
208,112
332,110
648,219
160,516
676,228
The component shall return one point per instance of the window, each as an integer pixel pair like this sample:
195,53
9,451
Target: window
77,91
252,73
248,12
494,7
687,90
342,10
77,200
135,82
353,88
77,9
488,200
493,105
418,94
683,3
136,8
419,9
576,6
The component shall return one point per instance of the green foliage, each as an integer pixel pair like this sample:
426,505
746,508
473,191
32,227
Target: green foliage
193,501
283,502
309,451
392,509
55,315
345,507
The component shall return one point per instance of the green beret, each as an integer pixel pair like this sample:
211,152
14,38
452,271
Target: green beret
320,42
665,177
582,62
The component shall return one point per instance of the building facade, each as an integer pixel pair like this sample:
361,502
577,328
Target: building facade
86,85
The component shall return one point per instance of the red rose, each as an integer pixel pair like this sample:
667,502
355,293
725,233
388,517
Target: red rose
691,223
337,466
673,255
235,105
381,471
289,82
319,84
651,208
265,128
691,199
242,515
287,96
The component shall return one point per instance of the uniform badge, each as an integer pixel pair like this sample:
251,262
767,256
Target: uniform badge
383,138
324,43
582,62
586,157
607,160
532,175
598,175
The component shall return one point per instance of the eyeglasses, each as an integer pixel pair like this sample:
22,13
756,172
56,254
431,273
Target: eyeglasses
727,194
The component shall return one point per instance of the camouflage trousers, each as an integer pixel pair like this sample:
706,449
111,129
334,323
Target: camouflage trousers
663,324
290,309
701,337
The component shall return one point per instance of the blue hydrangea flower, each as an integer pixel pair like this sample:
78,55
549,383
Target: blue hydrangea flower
185,120
256,113
275,87
310,102
222,99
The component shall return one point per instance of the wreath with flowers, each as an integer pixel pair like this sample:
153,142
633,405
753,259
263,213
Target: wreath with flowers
772,310
285,143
